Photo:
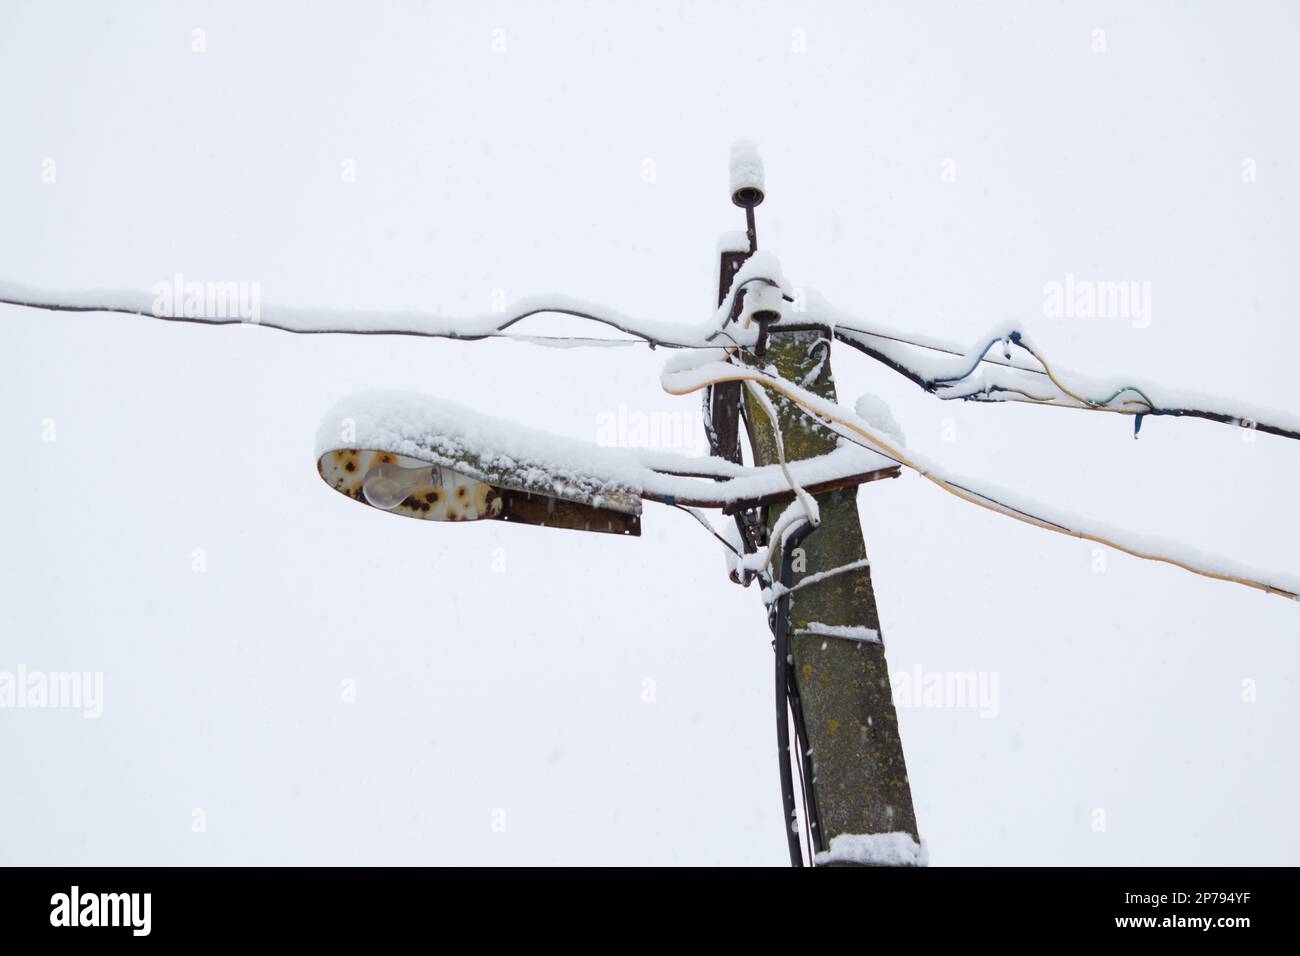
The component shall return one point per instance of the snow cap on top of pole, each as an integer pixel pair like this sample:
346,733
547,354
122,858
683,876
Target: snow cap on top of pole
746,174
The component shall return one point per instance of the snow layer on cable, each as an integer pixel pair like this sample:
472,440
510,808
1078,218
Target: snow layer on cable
120,300
1020,370
733,240
370,321
678,382
850,632
1017,372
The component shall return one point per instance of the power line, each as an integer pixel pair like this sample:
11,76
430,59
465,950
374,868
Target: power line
497,330
943,386
827,412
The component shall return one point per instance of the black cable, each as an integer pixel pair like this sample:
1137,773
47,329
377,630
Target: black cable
1223,419
921,345
884,359
744,518
784,676
704,521
806,776
932,387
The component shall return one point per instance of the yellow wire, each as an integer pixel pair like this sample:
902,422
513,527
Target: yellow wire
809,507
769,412
1079,398
780,386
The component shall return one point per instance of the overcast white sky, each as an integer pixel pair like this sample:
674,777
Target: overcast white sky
500,670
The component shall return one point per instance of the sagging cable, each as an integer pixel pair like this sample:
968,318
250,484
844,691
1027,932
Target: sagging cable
690,380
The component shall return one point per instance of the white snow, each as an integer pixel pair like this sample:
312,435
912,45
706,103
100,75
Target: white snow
851,632
731,534
733,240
873,410
762,264
810,579
118,300
875,849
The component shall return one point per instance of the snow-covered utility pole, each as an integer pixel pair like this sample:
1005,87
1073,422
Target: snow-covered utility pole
791,516
834,673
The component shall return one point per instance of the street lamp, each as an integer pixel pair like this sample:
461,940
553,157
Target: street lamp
424,458
434,491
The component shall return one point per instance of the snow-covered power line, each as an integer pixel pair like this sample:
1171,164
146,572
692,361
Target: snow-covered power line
326,321
681,381
955,373
974,375
970,375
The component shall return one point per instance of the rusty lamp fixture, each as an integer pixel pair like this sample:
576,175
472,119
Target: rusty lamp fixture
434,488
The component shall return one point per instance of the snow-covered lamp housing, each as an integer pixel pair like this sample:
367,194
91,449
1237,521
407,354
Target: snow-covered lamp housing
422,458
426,458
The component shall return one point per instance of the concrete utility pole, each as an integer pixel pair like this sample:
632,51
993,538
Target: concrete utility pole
841,685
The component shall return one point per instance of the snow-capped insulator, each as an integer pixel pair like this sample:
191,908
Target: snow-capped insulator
746,174
763,303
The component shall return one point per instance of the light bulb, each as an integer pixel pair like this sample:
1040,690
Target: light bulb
387,485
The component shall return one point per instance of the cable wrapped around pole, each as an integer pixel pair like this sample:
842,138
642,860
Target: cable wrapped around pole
784,678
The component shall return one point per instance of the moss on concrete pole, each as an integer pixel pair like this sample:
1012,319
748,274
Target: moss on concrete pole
859,776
